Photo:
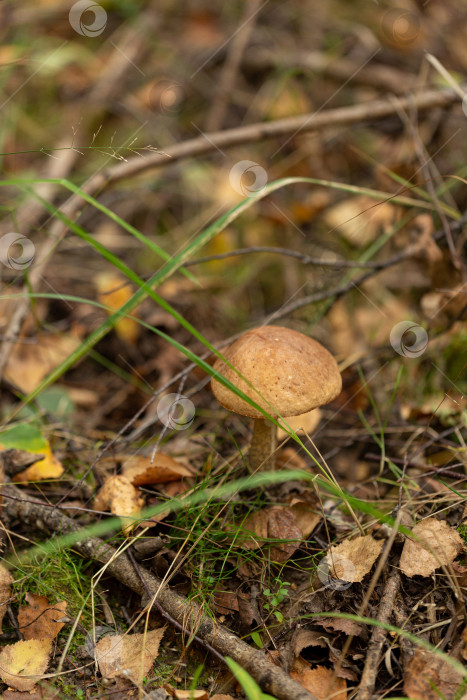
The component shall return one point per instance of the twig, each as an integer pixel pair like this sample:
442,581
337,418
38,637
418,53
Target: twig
315,121
305,259
232,62
378,636
270,678
152,600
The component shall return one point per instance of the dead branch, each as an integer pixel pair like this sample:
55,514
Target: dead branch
38,515
378,636
252,133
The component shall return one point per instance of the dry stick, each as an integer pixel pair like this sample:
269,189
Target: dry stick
230,68
252,133
370,670
383,78
271,678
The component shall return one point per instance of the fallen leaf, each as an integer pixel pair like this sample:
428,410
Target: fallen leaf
360,219
337,624
128,656
6,579
28,438
306,516
42,692
437,544
120,497
114,291
39,619
274,522
429,677
139,470
307,638
225,602
29,363
22,659
191,695
352,559
221,697
322,682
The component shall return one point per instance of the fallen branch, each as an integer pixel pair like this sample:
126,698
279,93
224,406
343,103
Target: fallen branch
272,679
378,635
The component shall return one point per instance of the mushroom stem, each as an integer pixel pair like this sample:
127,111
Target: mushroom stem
263,446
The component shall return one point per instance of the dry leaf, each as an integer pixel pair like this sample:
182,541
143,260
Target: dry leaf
129,656
429,677
319,681
114,291
39,619
29,658
221,697
306,516
120,497
42,692
191,694
276,523
360,219
48,468
6,579
338,624
29,363
352,559
437,545
225,602
140,471
307,638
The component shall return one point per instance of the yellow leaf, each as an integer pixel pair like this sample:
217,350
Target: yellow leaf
23,659
48,468
114,291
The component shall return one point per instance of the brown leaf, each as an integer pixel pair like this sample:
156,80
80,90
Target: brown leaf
221,696
429,677
319,681
338,624
307,638
352,559
39,619
120,497
437,544
128,656
139,470
29,363
306,516
6,579
225,602
191,694
42,692
276,523
22,659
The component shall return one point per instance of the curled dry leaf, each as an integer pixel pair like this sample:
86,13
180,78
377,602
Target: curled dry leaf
120,497
322,682
275,523
429,677
128,656
6,579
139,470
437,544
307,638
306,515
191,694
17,661
353,558
39,619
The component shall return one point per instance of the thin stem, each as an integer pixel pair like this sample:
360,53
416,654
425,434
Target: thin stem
263,446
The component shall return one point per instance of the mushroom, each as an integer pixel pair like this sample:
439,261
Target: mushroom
283,371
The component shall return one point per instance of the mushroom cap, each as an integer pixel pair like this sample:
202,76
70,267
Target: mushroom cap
292,372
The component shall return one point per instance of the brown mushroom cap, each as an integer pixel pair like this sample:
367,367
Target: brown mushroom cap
293,372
